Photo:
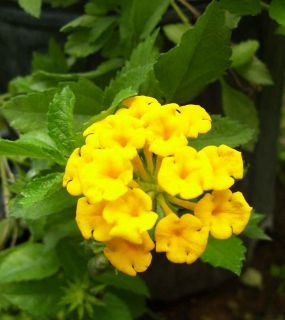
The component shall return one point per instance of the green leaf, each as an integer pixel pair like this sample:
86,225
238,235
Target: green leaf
280,30
53,61
228,254
32,7
72,258
89,99
28,262
139,19
242,7
62,3
277,11
201,57
123,94
135,302
255,72
232,20
237,106
39,188
175,31
114,308
122,281
28,112
253,230
224,131
88,40
56,232
60,120
39,298
135,72
32,149
84,21
243,52
45,202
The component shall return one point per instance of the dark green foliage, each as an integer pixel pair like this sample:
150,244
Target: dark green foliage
114,50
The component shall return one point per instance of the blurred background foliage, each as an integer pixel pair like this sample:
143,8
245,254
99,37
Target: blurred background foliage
227,55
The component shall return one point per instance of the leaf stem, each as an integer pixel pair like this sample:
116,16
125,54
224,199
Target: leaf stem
180,13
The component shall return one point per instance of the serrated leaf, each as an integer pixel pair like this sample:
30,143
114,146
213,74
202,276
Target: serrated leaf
60,120
255,72
277,11
85,41
237,106
139,19
253,230
114,308
32,7
243,52
228,254
46,202
122,281
84,21
224,131
135,72
175,31
123,94
242,7
28,262
53,61
39,188
89,98
28,112
32,149
39,298
201,57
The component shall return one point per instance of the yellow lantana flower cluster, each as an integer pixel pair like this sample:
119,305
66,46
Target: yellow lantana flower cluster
137,176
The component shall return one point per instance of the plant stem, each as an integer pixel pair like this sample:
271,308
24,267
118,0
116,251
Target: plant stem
164,206
5,188
157,165
191,8
140,169
182,203
148,158
264,5
180,13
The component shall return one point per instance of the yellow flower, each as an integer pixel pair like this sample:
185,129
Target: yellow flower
187,173
107,176
227,164
128,257
224,212
183,239
131,215
90,220
71,180
164,130
117,131
93,132
196,118
138,106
